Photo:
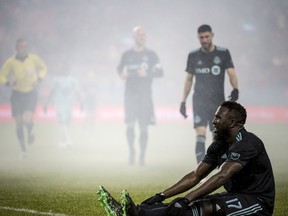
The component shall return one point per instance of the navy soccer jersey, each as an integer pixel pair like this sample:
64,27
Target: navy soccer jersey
209,71
133,61
138,89
256,176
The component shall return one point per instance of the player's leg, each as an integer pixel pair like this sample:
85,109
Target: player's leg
63,116
28,119
16,101
109,204
236,204
130,136
200,143
29,104
200,124
130,119
20,134
143,140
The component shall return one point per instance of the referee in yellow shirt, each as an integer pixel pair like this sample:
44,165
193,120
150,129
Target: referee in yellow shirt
23,71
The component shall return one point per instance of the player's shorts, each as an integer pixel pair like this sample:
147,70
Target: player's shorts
64,113
22,102
139,109
241,204
204,113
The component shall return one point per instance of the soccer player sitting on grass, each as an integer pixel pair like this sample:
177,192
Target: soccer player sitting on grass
244,170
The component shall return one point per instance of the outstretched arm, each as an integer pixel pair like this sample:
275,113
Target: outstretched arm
187,86
226,171
189,180
232,78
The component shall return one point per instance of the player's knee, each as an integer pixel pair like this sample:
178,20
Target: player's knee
208,207
217,207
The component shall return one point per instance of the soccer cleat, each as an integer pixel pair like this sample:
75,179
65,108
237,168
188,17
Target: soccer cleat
128,206
110,205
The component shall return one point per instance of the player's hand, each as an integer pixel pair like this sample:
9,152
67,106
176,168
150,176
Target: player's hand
157,198
177,207
124,75
234,95
142,73
183,109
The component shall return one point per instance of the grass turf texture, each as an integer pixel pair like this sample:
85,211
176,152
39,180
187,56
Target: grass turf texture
65,181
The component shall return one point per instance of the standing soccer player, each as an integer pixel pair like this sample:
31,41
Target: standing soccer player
64,91
138,67
23,72
208,65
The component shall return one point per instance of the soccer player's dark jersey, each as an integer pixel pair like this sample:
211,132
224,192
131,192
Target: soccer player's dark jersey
256,177
133,61
138,91
209,71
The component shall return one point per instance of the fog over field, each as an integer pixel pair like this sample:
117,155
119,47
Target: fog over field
90,36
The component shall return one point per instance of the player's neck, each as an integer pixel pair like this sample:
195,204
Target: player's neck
138,48
209,49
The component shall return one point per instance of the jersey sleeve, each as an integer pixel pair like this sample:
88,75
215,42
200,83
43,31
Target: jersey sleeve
190,65
242,152
229,62
5,71
122,63
41,67
211,154
157,70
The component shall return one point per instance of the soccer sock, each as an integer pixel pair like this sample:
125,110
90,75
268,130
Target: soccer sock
130,139
64,133
20,136
200,147
143,142
29,127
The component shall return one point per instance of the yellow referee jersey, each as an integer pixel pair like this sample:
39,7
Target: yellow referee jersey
23,75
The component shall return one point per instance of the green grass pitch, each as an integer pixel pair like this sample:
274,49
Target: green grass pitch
63,182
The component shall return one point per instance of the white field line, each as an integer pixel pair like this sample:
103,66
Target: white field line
30,211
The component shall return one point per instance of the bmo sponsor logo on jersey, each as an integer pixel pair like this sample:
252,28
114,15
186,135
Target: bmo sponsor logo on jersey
215,70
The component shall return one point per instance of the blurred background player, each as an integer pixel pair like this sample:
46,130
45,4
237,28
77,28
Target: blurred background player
138,67
208,65
89,95
64,92
23,72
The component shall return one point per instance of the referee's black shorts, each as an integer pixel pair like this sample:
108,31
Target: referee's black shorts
23,102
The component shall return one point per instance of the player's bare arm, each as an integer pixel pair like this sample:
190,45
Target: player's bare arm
187,86
232,78
226,171
189,180
123,74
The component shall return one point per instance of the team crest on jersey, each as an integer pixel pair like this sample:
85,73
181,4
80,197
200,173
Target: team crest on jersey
197,119
217,60
144,66
234,156
215,70
145,58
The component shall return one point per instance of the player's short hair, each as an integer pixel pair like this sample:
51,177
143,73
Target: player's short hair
204,28
236,110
